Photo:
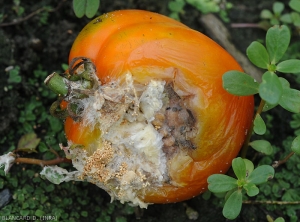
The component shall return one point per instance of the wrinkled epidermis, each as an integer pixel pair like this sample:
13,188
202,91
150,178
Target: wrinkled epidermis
141,126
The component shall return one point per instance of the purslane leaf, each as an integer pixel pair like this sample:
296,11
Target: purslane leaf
295,5
296,145
79,7
176,6
289,66
268,106
85,7
249,166
270,89
259,125
295,16
262,146
279,219
92,7
286,18
290,97
219,183
239,83
258,55
239,168
278,8
277,42
252,189
233,205
266,14
261,174
290,100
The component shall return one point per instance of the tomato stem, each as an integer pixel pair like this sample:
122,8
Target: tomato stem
250,131
55,161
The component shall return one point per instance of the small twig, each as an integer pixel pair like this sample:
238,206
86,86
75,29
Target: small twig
42,162
54,152
249,133
279,162
271,202
22,19
245,25
31,15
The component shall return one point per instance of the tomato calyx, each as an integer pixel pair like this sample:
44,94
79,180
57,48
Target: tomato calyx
77,83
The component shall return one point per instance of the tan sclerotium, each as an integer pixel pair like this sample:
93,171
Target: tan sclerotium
142,128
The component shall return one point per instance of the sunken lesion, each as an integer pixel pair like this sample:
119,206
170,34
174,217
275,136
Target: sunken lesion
175,123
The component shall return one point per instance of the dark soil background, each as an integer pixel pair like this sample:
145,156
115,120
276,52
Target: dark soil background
42,42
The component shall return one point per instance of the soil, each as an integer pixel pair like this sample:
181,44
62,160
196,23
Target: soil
44,40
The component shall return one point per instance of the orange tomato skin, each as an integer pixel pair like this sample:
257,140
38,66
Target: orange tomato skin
152,46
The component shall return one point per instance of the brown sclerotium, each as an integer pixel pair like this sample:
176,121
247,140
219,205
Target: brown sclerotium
142,128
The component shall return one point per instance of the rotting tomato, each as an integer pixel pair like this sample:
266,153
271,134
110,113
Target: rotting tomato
158,121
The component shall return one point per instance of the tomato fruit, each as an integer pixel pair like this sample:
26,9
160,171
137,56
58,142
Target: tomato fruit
156,122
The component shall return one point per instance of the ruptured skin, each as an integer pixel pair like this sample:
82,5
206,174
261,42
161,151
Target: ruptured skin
175,123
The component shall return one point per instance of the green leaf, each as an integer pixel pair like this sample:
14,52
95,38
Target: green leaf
28,143
92,7
50,188
290,100
286,18
227,194
176,6
278,8
84,213
270,89
289,66
258,55
277,42
24,212
218,183
233,205
42,147
295,5
79,7
274,21
279,219
14,75
239,168
262,146
261,174
206,195
259,125
284,83
268,106
291,195
239,83
39,213
252,189
296,145
266,14
295,18
205,6
174,15
249,166
290,97
64,66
